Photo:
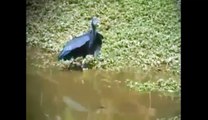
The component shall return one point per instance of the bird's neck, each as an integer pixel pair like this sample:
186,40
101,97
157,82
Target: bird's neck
93,29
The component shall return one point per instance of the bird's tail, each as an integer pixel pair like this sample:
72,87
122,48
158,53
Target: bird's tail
61,55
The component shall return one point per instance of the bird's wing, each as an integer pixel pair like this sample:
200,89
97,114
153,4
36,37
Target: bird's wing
74,43
77,42
100,35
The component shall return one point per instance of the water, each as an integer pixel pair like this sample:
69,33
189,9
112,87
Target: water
90,95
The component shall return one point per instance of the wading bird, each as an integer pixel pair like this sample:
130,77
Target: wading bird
87,44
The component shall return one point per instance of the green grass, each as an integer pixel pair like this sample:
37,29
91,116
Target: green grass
167,86
140,34
137,33
171,118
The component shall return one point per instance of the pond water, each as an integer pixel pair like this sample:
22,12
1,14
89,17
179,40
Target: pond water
90,95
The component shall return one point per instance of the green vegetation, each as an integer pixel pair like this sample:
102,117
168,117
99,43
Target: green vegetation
140,34
171,118
168,87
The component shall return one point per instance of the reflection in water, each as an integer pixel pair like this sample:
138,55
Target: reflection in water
74,105
90,95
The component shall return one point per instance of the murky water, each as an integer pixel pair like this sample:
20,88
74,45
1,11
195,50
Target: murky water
91,95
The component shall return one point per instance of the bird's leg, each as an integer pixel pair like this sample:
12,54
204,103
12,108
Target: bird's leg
97,52
71,63
84,66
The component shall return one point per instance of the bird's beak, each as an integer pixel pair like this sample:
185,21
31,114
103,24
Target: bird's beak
96,21
98,24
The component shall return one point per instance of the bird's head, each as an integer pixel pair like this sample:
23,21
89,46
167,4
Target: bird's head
95,22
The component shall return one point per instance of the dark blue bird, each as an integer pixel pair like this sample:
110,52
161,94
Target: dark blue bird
87,44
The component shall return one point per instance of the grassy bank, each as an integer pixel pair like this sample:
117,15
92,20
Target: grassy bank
140,34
